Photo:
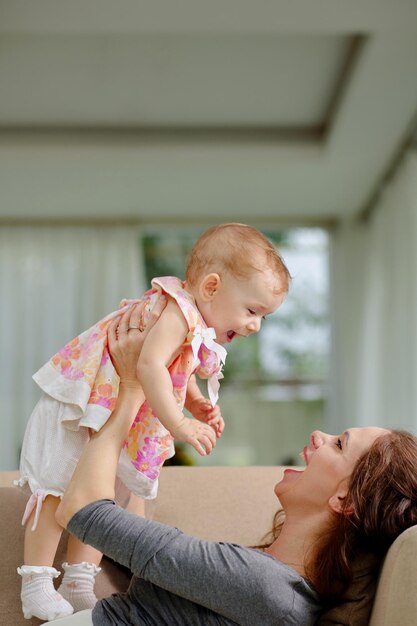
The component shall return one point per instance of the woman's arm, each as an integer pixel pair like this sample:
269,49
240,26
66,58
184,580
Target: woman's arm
238,583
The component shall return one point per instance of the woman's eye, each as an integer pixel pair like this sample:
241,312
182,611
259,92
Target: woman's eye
251,312
264,317
339,443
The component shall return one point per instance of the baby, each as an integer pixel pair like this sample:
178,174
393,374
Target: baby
234,278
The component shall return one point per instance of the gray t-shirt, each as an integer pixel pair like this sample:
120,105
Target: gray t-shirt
180,580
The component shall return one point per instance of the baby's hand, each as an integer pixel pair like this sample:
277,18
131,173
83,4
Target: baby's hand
203,411
201,436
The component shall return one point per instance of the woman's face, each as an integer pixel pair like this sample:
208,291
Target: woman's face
330,461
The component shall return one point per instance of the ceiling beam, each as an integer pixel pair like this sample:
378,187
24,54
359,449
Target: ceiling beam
232,16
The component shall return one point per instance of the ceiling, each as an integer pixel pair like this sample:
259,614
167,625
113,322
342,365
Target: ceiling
274,110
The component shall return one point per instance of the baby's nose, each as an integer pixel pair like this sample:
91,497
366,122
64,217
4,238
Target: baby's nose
254,325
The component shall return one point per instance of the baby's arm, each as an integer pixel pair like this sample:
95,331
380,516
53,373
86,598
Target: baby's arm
202,409
160,348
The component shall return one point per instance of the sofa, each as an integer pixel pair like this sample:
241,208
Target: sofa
228,504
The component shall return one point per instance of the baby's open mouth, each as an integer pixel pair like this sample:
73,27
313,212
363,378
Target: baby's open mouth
230,334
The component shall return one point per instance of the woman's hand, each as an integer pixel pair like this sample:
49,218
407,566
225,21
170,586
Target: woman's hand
126,338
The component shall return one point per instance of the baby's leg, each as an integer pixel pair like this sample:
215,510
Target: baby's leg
41,544
78,551
39,598
81,569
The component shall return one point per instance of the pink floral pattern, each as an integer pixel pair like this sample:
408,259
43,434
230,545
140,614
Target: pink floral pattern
86,360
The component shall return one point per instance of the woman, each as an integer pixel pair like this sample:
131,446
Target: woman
359,488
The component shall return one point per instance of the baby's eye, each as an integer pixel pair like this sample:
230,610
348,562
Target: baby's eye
264,317
339,443
252,312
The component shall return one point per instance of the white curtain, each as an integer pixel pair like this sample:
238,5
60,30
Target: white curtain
54,283
374,310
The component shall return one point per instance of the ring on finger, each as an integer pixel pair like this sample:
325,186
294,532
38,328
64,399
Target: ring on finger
135,328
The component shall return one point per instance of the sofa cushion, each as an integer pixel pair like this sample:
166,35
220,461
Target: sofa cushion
230,504
233,504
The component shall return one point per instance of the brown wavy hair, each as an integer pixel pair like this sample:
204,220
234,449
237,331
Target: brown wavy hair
380,504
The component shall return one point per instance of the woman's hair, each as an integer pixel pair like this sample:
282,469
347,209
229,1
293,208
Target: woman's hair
236,248
380,504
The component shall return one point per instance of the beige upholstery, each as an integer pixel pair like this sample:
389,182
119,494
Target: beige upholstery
231,504
396,597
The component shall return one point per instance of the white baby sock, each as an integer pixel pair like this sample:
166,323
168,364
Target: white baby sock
78,585
38,595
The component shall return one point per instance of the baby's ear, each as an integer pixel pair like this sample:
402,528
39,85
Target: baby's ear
209,286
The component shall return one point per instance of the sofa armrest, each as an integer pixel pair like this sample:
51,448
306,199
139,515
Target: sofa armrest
396,598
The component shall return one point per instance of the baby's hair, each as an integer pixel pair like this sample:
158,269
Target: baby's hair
238,249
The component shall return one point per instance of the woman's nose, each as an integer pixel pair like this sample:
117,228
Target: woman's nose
317,439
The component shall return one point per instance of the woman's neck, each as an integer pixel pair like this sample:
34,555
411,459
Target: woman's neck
294,544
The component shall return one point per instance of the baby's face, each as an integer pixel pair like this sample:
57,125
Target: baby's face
239,306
